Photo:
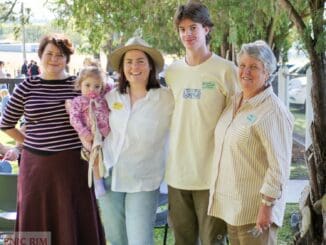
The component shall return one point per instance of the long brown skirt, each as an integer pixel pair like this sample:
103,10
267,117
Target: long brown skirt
53,196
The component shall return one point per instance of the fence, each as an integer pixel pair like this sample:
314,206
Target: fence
283,82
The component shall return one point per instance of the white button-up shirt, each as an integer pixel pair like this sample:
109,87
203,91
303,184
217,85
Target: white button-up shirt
135,147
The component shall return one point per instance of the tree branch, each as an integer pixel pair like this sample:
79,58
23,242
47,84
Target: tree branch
11,9
293,14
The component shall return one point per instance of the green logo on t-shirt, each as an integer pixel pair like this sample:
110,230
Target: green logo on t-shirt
208,85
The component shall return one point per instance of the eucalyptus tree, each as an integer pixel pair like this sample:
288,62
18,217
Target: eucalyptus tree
238,22
312,30
103,21
107,24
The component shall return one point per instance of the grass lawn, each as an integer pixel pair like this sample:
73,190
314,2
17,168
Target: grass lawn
159,235
285,234
299,171
298,167
299,122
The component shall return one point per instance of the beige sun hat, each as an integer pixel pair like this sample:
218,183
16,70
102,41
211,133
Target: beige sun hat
139,44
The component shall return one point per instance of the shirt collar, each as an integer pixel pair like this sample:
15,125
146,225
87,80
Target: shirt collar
152,94
259,98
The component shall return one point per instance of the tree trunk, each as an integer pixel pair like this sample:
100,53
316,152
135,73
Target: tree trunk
108,50
317,157
270,33
225,49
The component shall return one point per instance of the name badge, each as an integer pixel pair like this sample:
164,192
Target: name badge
117,106
189,93
251,118
208,85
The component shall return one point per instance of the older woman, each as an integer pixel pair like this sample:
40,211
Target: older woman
53,194
139,119
253,142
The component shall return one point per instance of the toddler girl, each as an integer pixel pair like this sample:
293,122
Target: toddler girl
89,115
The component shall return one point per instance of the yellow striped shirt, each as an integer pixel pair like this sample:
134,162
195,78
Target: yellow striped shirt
252,157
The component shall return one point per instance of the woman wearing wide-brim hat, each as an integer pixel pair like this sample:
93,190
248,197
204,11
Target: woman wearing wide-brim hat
134,150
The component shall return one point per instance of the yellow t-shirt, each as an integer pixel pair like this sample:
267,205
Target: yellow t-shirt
201,93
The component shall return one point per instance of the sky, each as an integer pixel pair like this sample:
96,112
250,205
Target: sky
39,12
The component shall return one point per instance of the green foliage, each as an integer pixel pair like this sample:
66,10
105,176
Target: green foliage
285,234
104,25
299,171
314,20
108,24
312,32
6,10
321,43
20,17
320,28
159,236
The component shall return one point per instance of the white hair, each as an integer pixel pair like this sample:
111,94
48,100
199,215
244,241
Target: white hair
261,51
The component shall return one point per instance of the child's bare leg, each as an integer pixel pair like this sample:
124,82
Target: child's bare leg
96,170
98,181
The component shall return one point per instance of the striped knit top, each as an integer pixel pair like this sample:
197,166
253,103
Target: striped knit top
42,103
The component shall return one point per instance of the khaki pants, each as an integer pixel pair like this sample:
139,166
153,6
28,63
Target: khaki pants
238,235
190,222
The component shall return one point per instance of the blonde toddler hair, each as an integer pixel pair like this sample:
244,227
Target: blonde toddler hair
94,71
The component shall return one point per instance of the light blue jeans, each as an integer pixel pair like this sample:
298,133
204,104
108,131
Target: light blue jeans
128,218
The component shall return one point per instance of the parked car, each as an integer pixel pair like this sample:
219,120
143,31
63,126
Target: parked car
298,70
297,83
297,92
